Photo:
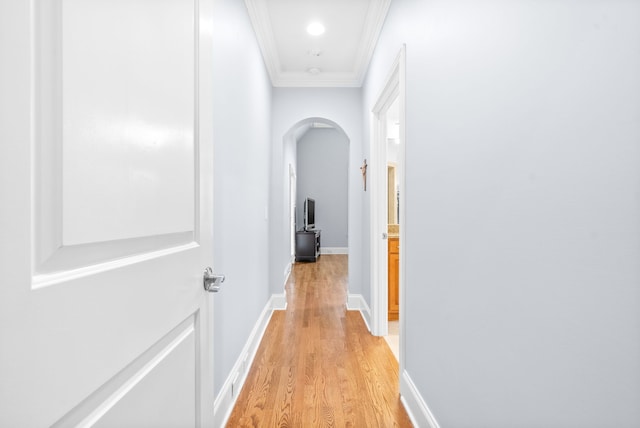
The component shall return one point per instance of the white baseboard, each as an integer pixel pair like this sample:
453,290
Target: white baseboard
226,399
287,271
414,404
278,302
334,250
356,302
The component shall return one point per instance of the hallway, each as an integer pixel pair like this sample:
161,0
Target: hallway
317,364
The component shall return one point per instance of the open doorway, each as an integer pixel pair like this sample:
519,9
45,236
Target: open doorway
387,210
392,131
316,153
322,158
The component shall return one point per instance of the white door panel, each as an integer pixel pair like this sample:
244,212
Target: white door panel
128,119
106,213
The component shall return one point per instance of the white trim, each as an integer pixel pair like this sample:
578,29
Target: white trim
414,404
394,87
402,66
45,280
334,250
259,16
378,202
224,402
287,272
323,80
278,302
356,302
139,376
376,15
293,182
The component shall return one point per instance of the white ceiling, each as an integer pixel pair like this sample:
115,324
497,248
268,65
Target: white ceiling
341,54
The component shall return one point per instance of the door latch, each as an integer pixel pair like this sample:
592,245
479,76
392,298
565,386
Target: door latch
211,281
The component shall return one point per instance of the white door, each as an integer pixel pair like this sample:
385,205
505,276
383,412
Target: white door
106,213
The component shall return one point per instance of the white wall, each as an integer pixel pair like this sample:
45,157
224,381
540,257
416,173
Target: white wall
523,208
323,162
290,107
241,138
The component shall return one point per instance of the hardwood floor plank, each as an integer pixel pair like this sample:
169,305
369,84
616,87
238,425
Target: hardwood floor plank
317,365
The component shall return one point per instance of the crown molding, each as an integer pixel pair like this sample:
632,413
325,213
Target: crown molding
259,16
373,27
322,80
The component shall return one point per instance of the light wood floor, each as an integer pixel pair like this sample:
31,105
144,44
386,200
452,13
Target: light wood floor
317,365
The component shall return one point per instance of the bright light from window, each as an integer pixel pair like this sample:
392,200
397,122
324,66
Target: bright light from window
315,29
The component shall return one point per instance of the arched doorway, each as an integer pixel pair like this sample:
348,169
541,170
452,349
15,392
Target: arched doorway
316,155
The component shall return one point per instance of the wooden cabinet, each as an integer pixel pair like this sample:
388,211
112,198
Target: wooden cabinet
393,296
307,245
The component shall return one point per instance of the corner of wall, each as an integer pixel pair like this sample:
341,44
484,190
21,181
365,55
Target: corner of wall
414,404
334,250
356,302
278,302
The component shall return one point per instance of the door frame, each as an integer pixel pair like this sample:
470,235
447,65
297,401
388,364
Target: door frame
395,87
292,213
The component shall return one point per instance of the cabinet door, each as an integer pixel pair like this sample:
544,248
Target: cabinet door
305,246
393,298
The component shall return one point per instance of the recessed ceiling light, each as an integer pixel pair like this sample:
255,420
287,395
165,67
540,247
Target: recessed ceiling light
314,70
315,29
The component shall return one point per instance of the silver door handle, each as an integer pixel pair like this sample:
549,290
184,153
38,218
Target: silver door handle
212,281
384,235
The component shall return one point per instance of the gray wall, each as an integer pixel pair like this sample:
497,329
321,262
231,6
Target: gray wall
523,206
241,172
322,160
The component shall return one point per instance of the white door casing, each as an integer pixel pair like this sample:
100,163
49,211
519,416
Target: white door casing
292,213
394,89
106,172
